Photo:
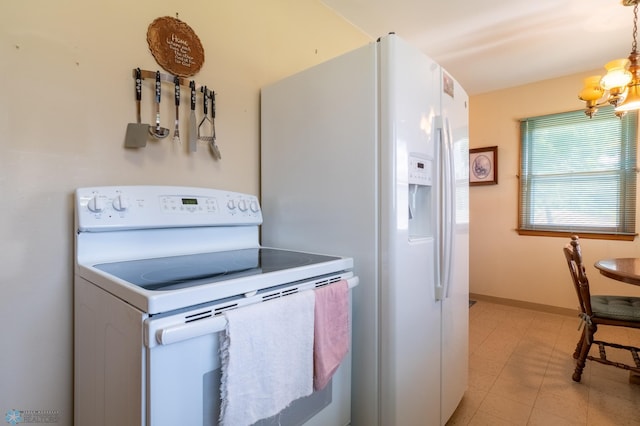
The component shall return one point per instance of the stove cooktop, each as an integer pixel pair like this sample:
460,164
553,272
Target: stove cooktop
176,272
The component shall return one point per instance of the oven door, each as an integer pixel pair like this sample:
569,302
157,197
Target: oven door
183,375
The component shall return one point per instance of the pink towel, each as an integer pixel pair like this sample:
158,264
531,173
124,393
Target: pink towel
331,334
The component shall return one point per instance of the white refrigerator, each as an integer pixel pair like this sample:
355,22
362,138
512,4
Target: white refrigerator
366,155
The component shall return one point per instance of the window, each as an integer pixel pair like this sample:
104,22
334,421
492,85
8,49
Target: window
578,175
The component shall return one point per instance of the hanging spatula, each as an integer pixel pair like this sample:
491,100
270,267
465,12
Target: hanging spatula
137,133
214,146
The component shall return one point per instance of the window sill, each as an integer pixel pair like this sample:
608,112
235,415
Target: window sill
594,236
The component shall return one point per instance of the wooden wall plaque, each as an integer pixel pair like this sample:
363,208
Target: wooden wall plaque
175,46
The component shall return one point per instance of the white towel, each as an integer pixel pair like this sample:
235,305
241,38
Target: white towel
267,358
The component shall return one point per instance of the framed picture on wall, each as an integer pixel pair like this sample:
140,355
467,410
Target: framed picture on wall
483,166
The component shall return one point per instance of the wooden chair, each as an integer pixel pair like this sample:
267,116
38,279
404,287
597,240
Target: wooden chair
618,311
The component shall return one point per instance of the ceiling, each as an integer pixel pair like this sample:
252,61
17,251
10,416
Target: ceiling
494,44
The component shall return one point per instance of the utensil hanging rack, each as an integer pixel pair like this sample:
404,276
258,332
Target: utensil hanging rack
176,82
169,78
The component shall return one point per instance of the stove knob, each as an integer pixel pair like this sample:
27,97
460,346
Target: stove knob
120,203
231,204
96,204
255,207
242,205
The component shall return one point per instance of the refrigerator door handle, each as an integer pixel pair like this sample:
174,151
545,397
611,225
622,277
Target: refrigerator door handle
447,211
440,211
450,205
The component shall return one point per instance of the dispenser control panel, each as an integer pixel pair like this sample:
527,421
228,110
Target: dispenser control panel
420,171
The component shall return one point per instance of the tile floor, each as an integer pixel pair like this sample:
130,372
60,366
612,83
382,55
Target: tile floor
520,369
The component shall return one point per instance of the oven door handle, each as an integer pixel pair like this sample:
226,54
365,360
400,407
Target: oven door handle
180,332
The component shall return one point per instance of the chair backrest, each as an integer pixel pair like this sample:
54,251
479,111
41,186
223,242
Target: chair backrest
573,253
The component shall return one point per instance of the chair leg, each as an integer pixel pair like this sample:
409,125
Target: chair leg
587,340
576,353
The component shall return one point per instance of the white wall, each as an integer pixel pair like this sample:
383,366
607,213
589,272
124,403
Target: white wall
67,96
502,263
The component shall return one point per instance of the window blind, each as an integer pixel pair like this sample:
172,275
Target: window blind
577,174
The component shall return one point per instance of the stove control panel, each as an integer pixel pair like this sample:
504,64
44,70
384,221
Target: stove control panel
137,207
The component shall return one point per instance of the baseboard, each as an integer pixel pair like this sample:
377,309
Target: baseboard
525,305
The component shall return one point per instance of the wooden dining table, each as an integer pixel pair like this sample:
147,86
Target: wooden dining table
625,269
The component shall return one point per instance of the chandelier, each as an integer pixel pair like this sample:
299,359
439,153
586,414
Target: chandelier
620,87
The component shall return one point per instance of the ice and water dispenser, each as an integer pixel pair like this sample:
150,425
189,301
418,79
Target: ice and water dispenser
420,196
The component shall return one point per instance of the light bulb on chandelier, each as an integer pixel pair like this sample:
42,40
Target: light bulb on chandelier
620,87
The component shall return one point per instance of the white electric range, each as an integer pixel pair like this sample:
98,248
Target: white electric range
155,268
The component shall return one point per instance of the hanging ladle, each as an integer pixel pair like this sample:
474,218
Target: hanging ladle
157,131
